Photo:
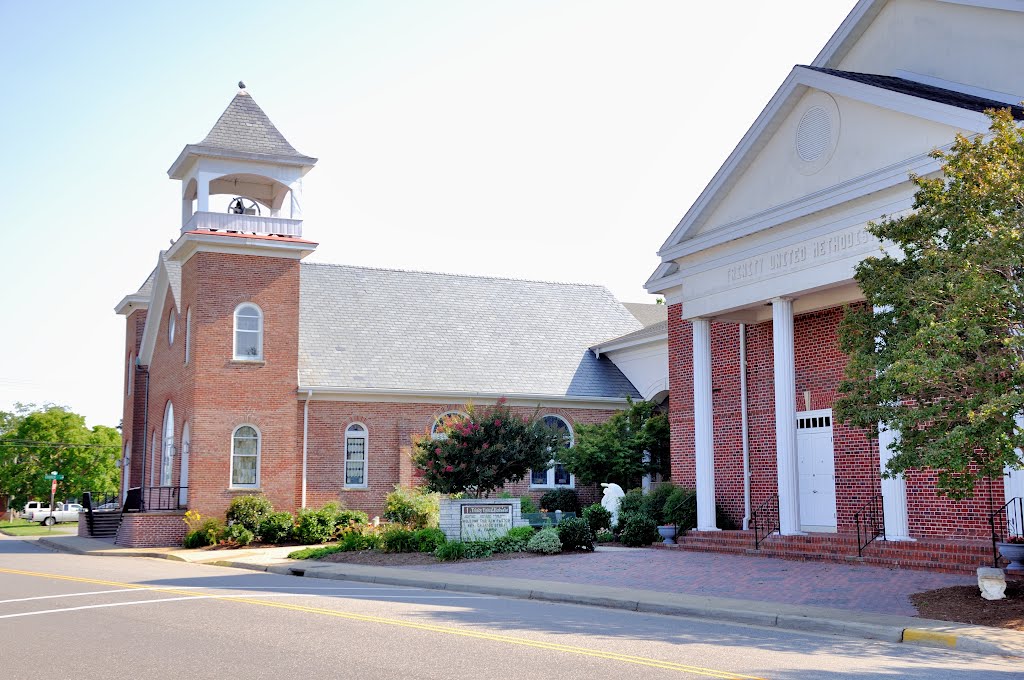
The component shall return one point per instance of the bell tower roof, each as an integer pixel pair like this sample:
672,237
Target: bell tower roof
243,132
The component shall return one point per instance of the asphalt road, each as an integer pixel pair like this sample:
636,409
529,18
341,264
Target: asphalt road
70,616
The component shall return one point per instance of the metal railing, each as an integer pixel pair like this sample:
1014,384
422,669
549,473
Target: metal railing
92,502
162,498
1006,521
765,520
870,521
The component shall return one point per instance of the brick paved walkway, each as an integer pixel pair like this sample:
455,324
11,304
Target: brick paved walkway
856,587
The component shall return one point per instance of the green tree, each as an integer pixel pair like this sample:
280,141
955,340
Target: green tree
623,449
483,451
937,351
35,441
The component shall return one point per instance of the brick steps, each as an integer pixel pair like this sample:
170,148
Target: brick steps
925,554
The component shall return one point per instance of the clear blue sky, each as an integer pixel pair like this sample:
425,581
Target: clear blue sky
541,139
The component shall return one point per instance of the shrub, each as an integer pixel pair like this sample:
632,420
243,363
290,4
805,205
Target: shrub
681,509
605,537
450,551
637,529
597,517
277,527
514,541
249,511
654,502
398,540
414,507
565,500
526,503
575,534
477,549
201,532
316,526
237,534
545,541
314,553
356,539
428,539
346,518
632,502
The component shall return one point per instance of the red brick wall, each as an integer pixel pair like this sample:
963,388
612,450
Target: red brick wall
134,412
150,529
819,368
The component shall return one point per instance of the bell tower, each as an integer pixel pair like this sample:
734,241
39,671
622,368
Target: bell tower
246,157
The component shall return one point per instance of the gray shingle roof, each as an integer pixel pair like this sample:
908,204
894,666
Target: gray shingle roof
654,330
646,313
245,127
389,329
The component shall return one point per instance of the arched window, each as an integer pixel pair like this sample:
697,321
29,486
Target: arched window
444,421
248,333
130,372
170,327
556,475
188,334
153,449
167,451
186,443
245,457
126,474
356,440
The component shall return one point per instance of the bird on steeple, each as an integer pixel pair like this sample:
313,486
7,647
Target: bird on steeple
241,85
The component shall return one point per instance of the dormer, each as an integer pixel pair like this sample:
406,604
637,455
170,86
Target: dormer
245,157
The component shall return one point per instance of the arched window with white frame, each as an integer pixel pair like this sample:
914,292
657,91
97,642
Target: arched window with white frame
245,457
171,319
356,448
167,450
248,332
556,475
445,421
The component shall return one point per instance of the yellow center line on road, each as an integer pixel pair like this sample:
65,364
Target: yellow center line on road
446,630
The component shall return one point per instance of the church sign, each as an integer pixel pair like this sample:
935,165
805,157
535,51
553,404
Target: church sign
484,522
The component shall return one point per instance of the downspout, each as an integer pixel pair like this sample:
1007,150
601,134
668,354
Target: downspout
305,438
744,426
145,440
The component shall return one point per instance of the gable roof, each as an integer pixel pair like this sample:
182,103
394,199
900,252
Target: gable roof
932,93
245,127
408,331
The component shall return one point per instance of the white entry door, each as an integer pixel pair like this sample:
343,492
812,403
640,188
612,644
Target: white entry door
817,466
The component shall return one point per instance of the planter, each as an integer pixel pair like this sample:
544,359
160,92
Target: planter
668,532
1013,552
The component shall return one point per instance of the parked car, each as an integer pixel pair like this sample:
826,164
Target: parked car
64,512
32,506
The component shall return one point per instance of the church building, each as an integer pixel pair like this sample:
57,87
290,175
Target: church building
249,370
758,271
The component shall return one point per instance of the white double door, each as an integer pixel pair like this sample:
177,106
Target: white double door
817,468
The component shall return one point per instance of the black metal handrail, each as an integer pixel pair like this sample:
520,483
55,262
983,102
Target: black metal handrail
872,516
765,520
162,498
91,503
1005,521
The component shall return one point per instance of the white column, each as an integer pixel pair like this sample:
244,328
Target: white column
703,425
295,198
1013,483
203,192
894,492
785,416
186,210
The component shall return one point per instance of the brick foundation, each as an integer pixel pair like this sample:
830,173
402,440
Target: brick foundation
149,529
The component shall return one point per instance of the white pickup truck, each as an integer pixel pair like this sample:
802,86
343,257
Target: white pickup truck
64,512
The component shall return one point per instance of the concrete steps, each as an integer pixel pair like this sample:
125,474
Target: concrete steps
925,554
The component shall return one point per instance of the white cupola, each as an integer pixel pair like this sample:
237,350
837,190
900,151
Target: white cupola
246,157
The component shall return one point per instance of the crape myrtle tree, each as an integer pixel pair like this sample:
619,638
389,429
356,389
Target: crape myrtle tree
624,448
483,451
35,441
937,350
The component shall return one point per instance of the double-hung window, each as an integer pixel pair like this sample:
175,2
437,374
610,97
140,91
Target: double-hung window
556,474
248,333
245,457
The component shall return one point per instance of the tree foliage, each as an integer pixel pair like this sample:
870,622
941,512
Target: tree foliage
35,441
629,445
483,451
937,351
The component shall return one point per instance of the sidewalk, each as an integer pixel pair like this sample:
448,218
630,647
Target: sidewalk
726,588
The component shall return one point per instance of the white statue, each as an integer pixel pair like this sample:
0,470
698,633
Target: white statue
992,583
613,494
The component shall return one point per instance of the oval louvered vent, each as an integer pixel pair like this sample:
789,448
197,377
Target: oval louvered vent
813,134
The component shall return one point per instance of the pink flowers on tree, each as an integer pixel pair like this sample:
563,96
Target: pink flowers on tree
484,450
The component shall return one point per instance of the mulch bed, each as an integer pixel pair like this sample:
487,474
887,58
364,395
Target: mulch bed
964,604
379,559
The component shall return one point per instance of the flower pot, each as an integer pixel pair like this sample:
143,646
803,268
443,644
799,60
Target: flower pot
1013,552
668,532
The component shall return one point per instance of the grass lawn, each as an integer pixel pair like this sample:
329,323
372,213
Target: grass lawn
22,527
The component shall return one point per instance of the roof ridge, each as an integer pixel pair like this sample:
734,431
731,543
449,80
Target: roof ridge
455,275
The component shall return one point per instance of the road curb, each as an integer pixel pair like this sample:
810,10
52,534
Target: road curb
941,635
